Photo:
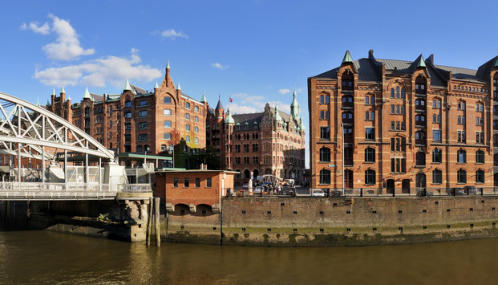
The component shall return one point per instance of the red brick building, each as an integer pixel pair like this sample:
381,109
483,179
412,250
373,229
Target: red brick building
393,126
270,142
138,120
195,190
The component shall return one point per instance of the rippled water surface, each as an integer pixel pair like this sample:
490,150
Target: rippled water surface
39,257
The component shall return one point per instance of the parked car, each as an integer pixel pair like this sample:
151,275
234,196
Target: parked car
317,193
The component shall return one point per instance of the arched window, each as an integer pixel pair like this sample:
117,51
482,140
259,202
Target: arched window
403,93
324,99
420,158
325,154
369,155
437,176
461,176
461,156
347,80
436,104
324,176
392,92
479,176
398,92
437,155
370,177
421,85
479,156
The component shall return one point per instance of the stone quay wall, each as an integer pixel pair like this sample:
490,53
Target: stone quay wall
312,221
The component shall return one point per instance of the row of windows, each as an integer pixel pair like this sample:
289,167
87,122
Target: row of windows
255,160
397,166
197,182
399,145
255,148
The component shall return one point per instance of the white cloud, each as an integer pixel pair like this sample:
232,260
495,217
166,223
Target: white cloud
220,66
39,29
173,34
284,91
99,72
245,103
66,45
241,109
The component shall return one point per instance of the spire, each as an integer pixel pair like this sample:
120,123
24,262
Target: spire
127,86
178,86
203,98
156,86
219,106
167,66
53,91
277,115
294,106
229,119
87,95
347,58
62,90
420,61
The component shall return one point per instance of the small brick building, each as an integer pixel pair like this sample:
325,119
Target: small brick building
197,191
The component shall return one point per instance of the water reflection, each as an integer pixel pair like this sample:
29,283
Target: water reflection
52,258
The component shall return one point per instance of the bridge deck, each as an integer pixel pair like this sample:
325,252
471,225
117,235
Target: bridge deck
32,191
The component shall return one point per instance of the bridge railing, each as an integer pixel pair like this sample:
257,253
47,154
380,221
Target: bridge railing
66,191
135,188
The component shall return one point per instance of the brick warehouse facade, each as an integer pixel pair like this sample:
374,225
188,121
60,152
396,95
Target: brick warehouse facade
138,120
254,144
408,126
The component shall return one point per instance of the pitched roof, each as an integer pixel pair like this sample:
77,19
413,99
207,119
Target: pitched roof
369,70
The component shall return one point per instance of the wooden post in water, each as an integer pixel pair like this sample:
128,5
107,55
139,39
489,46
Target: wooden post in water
158,224
149,222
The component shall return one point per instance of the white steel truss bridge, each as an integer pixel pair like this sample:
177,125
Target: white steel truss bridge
35,145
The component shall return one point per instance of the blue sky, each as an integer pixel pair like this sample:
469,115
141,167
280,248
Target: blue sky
254,51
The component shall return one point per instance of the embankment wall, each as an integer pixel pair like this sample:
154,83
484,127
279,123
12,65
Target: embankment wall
314,221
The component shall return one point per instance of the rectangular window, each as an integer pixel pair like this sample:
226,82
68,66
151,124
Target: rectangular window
142,114
167,124
324,133
436,135
197,182
480,137
142,125
208,182
167,100
186,182
370,133
187,105
142,137
167,112
167,136
175,182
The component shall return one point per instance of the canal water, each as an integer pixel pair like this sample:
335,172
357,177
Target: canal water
40,257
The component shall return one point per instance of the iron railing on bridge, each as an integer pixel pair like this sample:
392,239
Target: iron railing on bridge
66,191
